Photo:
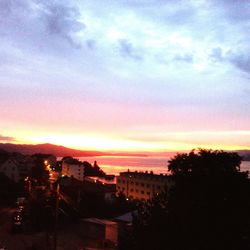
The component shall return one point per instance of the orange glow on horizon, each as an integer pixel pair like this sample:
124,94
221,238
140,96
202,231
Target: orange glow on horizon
113,144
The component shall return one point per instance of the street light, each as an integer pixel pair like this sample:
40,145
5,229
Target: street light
27,180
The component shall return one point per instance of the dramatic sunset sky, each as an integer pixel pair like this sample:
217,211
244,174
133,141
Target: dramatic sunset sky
130,75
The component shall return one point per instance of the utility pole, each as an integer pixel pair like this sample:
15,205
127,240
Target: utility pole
51,234
56,215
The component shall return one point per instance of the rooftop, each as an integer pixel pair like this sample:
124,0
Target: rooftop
146,174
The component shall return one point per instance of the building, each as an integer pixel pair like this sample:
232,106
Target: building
142,185
103,233
10,168
49,160
73,168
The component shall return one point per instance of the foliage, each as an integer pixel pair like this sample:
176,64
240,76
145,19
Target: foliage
205,162
95,205
208,207
8,190
90,170
39,172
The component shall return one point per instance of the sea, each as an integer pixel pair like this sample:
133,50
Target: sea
116,164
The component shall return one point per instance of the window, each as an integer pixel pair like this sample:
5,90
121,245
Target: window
142,184
136,183
142,192
148,185
148,193
131,190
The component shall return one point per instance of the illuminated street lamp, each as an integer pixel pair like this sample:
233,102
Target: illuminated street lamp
47,165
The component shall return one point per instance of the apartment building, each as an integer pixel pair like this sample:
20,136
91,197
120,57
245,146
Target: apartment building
142,185
73,168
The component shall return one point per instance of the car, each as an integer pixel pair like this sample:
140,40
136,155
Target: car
17,221
21,202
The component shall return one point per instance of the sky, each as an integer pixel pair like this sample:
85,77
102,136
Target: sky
126,75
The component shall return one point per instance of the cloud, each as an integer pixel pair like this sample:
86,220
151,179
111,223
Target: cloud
235,11
69,55
188,58
6,138
38,23
127,49
242,61
62,20
91,44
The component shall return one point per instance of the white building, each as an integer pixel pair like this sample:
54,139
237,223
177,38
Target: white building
73,168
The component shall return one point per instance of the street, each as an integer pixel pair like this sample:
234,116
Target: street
17,241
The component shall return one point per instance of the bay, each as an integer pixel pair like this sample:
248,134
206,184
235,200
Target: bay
116,164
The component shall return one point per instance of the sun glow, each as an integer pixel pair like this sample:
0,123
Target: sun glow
110,143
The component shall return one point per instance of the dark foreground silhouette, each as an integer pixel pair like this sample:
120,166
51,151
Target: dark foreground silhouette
207,209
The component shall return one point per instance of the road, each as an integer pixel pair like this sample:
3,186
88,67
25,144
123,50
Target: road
18,241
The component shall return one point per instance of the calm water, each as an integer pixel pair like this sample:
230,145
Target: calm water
114,165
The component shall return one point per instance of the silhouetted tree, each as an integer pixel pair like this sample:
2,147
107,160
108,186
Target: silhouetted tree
90,170
208,207
39,171
8,190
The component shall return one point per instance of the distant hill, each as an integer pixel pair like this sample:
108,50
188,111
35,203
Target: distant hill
59,151
47,148
245,154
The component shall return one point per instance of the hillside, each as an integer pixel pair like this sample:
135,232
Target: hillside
245,154
59,151
47,149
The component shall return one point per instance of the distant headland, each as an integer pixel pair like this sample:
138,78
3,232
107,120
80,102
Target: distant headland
59,151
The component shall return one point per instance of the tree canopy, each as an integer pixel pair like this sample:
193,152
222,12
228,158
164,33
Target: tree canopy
205,162
207,208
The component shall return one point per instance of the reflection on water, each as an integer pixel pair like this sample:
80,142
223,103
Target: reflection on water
115,165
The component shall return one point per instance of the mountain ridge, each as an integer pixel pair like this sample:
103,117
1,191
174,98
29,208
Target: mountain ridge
58,150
